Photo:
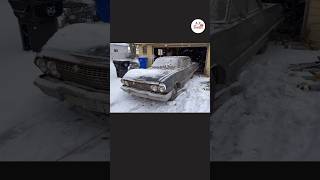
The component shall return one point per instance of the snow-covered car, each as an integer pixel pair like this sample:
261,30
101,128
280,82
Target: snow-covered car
239,30
74,65
162,80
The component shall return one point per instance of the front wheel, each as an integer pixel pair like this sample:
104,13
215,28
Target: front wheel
174,93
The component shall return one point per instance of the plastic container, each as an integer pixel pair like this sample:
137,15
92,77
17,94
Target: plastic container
143,61
103,10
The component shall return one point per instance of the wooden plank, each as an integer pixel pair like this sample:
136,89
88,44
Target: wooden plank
313,24
315,4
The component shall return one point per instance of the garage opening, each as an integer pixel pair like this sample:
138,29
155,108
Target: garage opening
197,54
294,16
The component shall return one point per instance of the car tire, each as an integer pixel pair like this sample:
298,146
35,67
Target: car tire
174,93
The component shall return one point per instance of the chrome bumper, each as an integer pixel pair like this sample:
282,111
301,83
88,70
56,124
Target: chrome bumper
147,94
74,95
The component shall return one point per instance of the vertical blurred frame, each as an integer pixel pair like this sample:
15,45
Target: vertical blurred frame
68,44
157,145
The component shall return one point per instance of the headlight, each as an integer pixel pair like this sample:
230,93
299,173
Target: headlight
53,69
162,88
125,82
154,88
42,65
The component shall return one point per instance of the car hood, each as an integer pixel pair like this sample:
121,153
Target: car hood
77,57
151,75
79,43
77,37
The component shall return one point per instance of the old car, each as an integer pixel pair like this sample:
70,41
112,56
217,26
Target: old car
239,29
74,65
162,80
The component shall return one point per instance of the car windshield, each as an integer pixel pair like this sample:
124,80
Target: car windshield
166,63
218,10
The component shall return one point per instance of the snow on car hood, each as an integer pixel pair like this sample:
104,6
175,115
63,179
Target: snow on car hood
153,75
80,36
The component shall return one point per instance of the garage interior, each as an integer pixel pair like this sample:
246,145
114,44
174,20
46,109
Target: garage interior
198,52
301,24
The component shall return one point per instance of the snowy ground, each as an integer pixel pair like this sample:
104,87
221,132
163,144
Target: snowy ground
34,126
270,119
194,97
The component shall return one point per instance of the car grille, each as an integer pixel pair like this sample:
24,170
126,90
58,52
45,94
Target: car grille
91,76
140,86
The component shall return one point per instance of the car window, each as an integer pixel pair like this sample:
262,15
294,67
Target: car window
218,10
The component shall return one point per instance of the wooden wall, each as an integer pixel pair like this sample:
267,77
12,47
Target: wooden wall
312,31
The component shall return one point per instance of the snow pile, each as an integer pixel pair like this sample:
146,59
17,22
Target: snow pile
194,97
270,119
79,36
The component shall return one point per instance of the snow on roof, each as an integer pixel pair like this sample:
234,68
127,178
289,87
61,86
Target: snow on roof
120,44
80,36
172,57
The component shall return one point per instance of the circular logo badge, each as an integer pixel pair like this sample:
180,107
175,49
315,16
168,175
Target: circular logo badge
51,11
198,26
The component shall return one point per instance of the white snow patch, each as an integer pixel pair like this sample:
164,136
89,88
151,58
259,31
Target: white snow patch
79,36
120,44
194,97
33,126
271,119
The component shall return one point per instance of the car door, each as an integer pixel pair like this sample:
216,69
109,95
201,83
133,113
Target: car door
234,39
187,70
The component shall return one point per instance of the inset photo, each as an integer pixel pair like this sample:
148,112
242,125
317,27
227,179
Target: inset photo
160,77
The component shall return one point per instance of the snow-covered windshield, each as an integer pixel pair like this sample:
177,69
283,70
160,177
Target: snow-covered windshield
166,63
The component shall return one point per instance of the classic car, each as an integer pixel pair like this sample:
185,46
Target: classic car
74,66
162,80
239,29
